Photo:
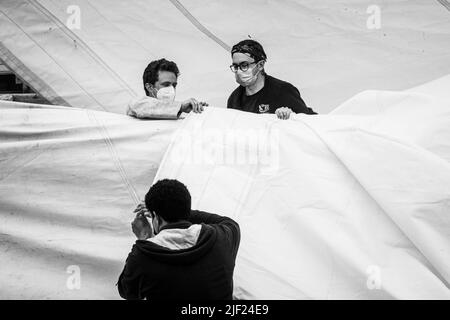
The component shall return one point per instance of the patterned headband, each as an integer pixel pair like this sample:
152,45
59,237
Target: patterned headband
254,52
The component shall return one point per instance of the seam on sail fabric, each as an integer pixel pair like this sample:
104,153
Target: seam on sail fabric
445,3
38,45
113,152
53,97
199,26
82,45
29,77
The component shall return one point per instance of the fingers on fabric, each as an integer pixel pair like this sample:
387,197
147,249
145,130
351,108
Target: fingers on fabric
187,106
283,113
279,113
195,105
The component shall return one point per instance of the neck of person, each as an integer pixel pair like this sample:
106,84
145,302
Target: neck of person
161,224
255,87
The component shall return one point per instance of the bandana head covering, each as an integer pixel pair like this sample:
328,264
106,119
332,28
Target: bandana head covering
250,47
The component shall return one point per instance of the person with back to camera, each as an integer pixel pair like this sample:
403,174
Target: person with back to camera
182,253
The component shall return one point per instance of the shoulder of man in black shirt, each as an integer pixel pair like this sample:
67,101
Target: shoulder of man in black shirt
288,96
234,100
276,93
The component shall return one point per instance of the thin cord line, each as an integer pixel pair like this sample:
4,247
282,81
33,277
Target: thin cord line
445,3
82,44
199,26
102,129
50,56
29,77
114,154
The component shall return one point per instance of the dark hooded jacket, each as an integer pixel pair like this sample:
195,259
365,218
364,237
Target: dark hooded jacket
203,271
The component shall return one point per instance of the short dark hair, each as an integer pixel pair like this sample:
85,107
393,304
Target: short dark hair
151,73
251,47
169,199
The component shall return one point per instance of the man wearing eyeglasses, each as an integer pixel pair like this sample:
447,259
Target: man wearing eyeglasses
258,92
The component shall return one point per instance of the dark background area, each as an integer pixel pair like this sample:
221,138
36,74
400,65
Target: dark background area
12,88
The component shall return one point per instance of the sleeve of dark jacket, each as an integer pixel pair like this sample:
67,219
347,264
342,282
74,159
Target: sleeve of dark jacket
129,283
292,99
229,227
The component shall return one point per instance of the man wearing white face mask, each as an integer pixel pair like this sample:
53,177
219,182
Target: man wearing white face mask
258,92
160,82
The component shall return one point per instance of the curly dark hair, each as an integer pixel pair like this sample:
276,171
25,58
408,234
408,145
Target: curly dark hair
152,71
169,199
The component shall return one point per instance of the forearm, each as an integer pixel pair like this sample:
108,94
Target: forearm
294,101
304,109
198,216
152,108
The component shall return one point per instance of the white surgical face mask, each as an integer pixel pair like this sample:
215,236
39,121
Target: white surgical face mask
166,93
246,78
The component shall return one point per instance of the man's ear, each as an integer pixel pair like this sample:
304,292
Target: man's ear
156,224
262,63
149,88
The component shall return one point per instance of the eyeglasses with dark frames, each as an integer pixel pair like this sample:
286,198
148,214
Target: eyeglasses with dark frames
243,66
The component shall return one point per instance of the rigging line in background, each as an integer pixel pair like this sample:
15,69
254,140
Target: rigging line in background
18,66
93,118
445,3
29,77
52,58
199,26
91,115
114,154
82,44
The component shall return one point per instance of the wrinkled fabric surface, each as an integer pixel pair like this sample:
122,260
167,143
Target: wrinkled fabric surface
69,181
340,206
349,205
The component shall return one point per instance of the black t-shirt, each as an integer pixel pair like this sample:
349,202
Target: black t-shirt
275,94
249,103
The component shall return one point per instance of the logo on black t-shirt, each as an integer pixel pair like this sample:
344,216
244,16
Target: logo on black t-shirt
263,108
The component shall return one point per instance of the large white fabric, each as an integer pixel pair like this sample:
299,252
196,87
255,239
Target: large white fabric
325,47
346,201
70,179
347,207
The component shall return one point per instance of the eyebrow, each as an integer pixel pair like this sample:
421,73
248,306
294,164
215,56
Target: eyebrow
246,61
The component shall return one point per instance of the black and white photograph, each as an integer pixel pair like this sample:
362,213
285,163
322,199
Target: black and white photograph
224,153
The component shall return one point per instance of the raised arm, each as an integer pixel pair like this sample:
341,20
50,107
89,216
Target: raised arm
229,226
293,100
152,108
